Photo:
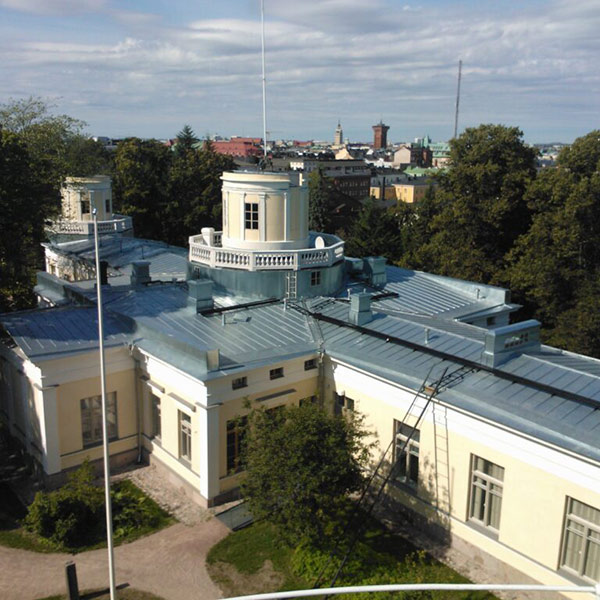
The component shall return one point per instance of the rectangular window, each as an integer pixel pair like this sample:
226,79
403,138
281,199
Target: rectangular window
91,418
156,415
239,382
581,540
315,278
310,364
276,373
107,206
486,492
251,215
185,436
236,429
343,402
406,453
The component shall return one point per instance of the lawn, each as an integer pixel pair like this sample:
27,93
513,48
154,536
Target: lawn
253,561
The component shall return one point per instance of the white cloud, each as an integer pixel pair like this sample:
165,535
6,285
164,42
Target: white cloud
325,59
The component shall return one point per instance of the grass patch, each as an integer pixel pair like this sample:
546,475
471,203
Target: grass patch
122,594
14,535
237,565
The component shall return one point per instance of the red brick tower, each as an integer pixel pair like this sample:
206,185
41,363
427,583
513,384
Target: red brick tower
380,139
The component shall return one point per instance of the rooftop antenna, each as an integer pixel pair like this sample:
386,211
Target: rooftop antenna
457,98
264,79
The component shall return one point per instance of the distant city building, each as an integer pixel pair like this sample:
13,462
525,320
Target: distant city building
380,135
338,136
350,177
241,147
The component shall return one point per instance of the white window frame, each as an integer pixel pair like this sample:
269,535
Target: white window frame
156,412
406,453
185,436
251,215
91,419
577,527
489,487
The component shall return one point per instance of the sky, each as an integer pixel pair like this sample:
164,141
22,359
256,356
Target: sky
147,67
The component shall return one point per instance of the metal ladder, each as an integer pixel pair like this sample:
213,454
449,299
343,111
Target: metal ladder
291,292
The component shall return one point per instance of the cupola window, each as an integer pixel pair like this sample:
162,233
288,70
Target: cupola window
251,215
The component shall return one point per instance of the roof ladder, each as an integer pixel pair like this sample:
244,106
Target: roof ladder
425,389
291,292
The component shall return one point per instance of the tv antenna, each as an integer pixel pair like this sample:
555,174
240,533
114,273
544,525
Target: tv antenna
457,98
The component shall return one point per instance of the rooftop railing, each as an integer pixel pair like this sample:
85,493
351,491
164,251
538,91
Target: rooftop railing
214,255
118,224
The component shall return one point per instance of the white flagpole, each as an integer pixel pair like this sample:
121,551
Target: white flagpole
264,79
109,530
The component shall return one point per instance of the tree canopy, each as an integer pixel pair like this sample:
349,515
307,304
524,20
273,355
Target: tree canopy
480,206
186,139
301,464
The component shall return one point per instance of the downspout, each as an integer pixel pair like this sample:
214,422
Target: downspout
138,405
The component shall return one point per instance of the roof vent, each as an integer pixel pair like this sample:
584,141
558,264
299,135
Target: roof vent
374,268
140,272
353,265
200,294
503,343
360,309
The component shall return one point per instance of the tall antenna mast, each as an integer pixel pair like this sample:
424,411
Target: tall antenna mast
264,79
457,99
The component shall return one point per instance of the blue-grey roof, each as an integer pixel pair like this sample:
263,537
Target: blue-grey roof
551,395
521,403
52,332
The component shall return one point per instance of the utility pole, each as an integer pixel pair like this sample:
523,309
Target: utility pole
457,98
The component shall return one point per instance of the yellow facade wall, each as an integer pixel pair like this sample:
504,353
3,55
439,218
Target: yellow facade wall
533,496
69,396
275,211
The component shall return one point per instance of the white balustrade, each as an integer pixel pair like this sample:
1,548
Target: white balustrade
261,260
116,225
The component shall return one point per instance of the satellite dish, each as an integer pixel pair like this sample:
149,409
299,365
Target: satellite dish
319,242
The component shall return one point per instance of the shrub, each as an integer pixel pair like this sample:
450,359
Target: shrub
74,516
71,516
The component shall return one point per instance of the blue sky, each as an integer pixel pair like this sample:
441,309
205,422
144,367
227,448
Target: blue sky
135,67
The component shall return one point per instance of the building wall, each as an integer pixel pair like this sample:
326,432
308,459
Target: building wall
537,478
78,189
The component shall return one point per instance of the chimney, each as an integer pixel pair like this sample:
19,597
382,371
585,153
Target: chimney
374,268
200,294
140,272
103,272
504,343
360,309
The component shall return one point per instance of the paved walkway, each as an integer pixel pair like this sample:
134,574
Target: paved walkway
170,564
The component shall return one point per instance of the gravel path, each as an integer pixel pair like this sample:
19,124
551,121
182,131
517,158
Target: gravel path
170,563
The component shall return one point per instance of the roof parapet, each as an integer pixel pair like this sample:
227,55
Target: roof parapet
503,343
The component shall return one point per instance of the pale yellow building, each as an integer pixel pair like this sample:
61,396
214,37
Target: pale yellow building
486,438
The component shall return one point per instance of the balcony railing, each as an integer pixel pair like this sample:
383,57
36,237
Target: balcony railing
201,252
118,224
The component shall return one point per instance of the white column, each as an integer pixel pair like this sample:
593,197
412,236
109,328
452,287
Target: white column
49,430
287,216
242,216
262,218
210,451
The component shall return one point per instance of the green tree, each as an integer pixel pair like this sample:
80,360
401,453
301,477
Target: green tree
27,199
186,139
323,200
375,232
481,206
554,268
301,464
140,184
47,136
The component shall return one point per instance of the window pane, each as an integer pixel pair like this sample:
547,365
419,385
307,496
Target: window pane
573,546
494,511
478,504
586,512
591,566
